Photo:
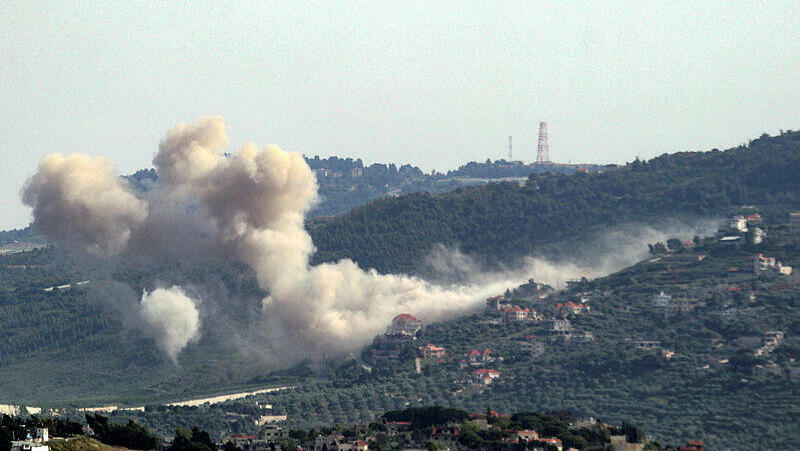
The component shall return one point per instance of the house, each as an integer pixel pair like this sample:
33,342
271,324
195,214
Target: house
531,345
754,219
763,264
573,308
28,445
527,435
495,304
773,338
476,357
272,433
738,223
517,313
446,434
431,351
552,442
693,445
485,376
557,327
662,300
643,345
395,427
358,445
404,325
794,221
758,235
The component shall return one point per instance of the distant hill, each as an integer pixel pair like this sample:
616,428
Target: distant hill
345,183
500,222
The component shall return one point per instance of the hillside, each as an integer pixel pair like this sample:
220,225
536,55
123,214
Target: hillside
699,365
501,222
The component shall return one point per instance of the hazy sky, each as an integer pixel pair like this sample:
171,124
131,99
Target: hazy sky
434,84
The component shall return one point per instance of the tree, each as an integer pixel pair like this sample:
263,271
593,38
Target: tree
674,244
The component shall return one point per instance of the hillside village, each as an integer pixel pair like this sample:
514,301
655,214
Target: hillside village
708,310
423,428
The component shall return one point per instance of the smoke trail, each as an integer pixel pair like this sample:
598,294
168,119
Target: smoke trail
172,319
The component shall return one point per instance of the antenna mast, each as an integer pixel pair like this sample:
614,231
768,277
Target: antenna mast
543,152
510,158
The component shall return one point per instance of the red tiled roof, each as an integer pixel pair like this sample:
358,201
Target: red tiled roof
486,371
405,317
572,305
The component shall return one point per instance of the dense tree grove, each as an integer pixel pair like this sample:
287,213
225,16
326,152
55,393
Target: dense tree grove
503,221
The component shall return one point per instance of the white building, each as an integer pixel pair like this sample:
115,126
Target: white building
794,221
662,300
28,445
738,223
758,235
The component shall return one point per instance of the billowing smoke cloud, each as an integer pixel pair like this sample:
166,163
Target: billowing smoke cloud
172,319
251,204
78,200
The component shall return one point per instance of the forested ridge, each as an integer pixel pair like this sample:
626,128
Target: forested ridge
503,221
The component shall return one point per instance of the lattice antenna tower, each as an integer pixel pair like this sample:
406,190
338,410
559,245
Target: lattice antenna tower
510,158
543,152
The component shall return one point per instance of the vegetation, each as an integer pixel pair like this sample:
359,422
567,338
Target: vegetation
129,435
501,222
64,347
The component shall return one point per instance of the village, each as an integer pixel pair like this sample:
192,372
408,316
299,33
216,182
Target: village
421,428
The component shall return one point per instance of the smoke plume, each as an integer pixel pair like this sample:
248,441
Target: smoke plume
77,200
172,319
251,205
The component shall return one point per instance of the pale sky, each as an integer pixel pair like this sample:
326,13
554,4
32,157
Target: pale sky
434,84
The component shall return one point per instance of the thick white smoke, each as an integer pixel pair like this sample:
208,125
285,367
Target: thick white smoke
258,199
78,200
252,204
172,319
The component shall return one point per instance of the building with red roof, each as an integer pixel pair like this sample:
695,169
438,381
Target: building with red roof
517,313
431,351
693,445
572,307
477,357
485,375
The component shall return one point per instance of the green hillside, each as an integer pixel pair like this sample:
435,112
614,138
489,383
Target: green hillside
504,221
688,370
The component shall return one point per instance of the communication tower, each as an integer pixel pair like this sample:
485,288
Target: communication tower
543,153
510,158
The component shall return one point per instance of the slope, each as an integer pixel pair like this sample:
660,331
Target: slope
501,222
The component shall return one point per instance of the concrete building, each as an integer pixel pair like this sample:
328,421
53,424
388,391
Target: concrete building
762,264
431,351
738,223
28,445
662,300
794,221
